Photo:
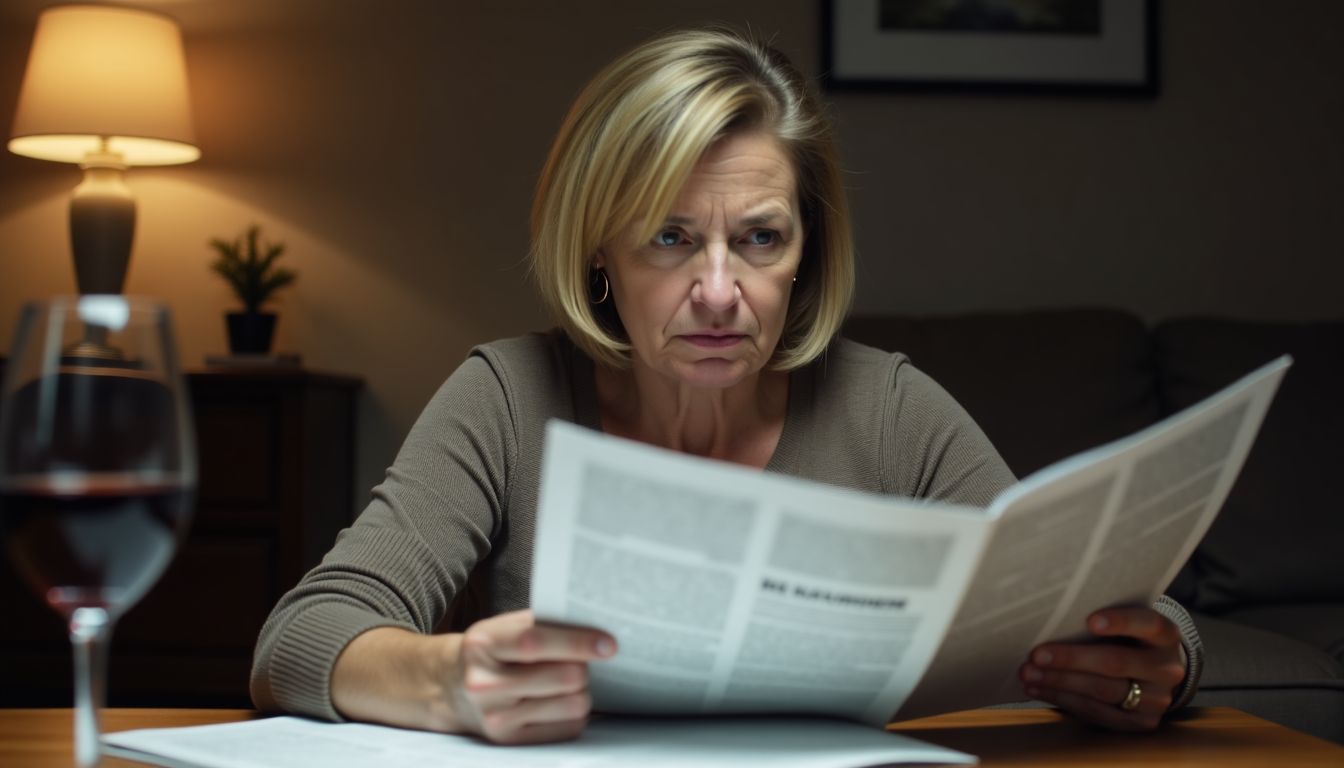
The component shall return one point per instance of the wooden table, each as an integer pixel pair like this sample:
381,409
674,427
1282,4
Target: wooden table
1215,737
1209,737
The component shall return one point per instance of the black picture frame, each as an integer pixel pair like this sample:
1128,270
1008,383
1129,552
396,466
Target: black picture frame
1119,57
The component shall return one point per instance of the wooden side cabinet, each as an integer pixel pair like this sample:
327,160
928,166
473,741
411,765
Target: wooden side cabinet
276,450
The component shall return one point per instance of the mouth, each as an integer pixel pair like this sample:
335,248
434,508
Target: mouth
713,339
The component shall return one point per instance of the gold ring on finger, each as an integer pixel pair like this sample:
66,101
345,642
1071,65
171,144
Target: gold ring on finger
1132,698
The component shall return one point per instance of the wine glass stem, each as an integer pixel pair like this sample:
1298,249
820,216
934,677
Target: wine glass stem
90,629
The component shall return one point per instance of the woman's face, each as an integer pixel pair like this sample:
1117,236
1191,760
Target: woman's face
704,300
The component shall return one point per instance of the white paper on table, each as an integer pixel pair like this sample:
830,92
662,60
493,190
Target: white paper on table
289,742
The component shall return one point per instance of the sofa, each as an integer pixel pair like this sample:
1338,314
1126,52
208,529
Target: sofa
1266,585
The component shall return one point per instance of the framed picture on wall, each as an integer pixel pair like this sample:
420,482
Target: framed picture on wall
1077,46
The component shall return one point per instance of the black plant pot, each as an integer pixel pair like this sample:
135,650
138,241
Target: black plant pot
250,332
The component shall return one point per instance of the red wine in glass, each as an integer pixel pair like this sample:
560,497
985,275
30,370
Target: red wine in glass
93,541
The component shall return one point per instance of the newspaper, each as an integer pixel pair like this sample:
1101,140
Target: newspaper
607,742
735,590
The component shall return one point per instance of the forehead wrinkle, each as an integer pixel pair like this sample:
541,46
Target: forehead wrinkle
780,176
774,210
719,161
751,202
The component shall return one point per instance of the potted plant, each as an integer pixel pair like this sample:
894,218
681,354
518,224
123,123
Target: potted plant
250,268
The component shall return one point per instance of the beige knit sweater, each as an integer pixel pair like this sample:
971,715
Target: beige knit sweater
461,497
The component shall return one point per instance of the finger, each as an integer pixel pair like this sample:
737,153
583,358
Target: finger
542,733
530,720
1096,712
517,637
494,683
1154,699
1143,624
1160,667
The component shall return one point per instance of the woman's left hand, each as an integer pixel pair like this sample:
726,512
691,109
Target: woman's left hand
1092,681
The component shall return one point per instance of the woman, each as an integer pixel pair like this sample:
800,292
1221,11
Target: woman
691,236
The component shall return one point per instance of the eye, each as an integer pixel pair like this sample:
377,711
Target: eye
668,238
762,237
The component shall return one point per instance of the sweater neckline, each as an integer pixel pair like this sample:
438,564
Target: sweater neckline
586,413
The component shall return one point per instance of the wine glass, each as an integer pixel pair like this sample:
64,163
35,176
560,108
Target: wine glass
97,469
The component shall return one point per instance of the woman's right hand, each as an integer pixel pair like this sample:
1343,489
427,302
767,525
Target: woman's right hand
520,682
507,679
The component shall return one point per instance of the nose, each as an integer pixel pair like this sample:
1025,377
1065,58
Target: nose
715,286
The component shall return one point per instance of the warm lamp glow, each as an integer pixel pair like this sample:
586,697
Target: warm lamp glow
106,88
136,151
99,72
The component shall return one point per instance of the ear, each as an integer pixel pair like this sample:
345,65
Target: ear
600,259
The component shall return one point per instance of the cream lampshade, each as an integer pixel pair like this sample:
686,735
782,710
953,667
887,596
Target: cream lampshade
106,88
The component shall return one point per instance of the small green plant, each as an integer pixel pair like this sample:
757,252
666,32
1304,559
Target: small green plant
249,267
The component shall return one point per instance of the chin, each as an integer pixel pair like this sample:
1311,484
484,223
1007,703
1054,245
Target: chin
712,373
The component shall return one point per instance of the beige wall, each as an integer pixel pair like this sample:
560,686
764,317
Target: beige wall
393,146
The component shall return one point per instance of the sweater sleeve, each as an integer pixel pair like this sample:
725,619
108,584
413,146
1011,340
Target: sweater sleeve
933,449
400,564
1194,649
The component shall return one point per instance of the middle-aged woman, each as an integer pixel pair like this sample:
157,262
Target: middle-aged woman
691,236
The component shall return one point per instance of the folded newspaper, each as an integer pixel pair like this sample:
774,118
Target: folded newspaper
735,590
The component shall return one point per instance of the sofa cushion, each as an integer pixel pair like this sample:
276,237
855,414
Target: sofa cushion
1270,676
1279,536
1238,655
1320,625
1043,385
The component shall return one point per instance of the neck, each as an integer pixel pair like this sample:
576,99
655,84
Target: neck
741,423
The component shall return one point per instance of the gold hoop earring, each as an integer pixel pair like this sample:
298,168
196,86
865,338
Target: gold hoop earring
592,286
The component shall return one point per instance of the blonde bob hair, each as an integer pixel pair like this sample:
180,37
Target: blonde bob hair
626,149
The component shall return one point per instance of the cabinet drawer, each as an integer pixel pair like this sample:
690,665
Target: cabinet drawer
238,462
213,598
29,623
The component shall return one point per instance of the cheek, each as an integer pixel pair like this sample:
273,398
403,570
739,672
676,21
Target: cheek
775,308
646,306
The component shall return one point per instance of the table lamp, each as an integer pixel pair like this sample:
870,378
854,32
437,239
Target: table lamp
106,88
